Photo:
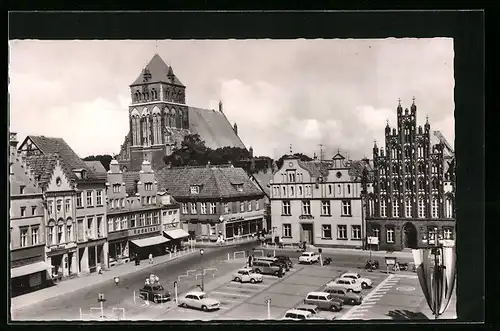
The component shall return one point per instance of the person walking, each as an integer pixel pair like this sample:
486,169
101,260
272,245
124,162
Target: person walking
281,242
280,273
150,258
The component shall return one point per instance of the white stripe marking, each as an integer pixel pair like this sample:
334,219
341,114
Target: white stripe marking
235,294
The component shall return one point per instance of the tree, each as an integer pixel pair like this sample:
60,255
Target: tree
104,159
300,156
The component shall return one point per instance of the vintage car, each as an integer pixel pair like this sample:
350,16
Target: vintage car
365,282
155,293
199,300
309,257
351,285
299,315
245,275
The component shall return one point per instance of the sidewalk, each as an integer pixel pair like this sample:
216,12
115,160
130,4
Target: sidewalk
230,243
79,283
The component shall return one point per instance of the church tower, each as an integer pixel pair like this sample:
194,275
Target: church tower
158,103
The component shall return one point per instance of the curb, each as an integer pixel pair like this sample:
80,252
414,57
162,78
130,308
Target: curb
14,307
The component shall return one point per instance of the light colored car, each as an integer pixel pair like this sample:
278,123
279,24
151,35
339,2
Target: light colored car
313,309
309,257
351,285
247,275
365,282
300,315
199,300
323,300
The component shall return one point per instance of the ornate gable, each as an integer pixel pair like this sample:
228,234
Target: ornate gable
58,180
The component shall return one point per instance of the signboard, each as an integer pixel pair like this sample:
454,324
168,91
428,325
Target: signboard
306,217
390,261
373,241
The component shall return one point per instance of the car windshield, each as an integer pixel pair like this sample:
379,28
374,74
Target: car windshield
158,288
306,254
358,276
251,272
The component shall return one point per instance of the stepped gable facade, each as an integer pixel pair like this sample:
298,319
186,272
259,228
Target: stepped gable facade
159,119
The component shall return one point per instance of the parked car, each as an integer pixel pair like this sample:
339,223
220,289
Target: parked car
247,275
299,315
324,301
309,257
273,260
351,285
199,300
350,298
313,309
155,293
285,259
266,267
365,282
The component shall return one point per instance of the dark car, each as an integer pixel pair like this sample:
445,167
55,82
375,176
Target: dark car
285,259
155,293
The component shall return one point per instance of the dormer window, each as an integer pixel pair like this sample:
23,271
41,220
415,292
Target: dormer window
239,187
84,174
116,188
195,189
148,186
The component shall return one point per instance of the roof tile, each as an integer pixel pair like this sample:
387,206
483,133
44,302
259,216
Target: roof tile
159,72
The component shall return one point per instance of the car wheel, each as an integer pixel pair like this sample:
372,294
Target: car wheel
204,308
334,308
353,302
183,305
276,273
237,279
349,290
252,280
155,299
364,285
257,271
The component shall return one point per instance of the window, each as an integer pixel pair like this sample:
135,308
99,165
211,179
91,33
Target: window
257,205
383,208
142,219
110,224
408,207
326,231
376,232
249,208
23,211
122,203
89,199
448,233
341,231
395,208
21,189
117,224
50,208
156,218
69,232
421,208
292,191
58,205
148,199
239,187
325,208
356,232
242,206
330,189
287,230
339,189
149,219
99,197
203,208
50,236
431,233
116,188
284,190
300,190
67,205
34,236
348,189
226,208
193,208
60,234
123,223
346,208
308,189
132,221
213,208
286,208
24,237
448,208
90,227
306,207
148,186
185,208
195,189
390,235
434,207
212,229
33,210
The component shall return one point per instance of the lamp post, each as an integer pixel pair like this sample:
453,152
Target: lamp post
202,273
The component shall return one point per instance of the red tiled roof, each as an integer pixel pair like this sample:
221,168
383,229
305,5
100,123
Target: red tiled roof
214,128
215,182
159,72
48,145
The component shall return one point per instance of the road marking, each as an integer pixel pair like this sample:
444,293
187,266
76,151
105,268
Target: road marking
407,276
243,286
224,300
235,294
405,288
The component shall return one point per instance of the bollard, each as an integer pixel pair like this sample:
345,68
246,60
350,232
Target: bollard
170,255
228,257
134,298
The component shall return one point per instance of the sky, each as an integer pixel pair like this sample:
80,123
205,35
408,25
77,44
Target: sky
338,93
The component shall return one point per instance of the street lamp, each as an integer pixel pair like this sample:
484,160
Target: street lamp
435,264
202,273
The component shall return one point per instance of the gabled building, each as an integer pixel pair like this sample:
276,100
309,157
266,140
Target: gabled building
29,270
414,185
318,202
79,193
216,201
159,118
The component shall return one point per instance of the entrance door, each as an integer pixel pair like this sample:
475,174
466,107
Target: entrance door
410,239
307,233
92,258
70,263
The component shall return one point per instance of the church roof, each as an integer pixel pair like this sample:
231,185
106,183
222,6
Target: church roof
214,128
214,182
159,71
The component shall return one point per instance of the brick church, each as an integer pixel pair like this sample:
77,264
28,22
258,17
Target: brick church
159,119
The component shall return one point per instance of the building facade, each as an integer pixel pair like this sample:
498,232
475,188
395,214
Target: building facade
29,270
318,202
159,118
414,186
216,202
76,211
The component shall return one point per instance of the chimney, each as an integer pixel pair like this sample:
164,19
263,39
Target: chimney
220,106
13,143
252,164
250,151
114,167
235,128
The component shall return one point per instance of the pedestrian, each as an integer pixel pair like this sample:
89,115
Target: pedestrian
250,261
150,258
280,273
281,242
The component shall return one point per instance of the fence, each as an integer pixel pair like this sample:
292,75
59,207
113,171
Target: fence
213,270
239,253
258,251
181,252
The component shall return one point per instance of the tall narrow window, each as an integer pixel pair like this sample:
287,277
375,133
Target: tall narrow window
348,189
306,207
60,234
89,199
110,224
185,208
213,208
50,235
435,207
325,208
193,208
395,208
287,230
421,208
203,208
408,207
34,236
24,237
99,197
449,208
383,208
69,232
330,189
346,208
286,208
390,235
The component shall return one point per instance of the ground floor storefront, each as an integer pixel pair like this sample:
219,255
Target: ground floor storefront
177,238
29,275
243,227
143,246
92,256
399,234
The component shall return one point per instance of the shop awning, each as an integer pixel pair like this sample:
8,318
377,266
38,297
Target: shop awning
176,233
29,269
150,241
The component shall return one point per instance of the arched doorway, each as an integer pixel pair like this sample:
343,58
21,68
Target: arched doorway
410,238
